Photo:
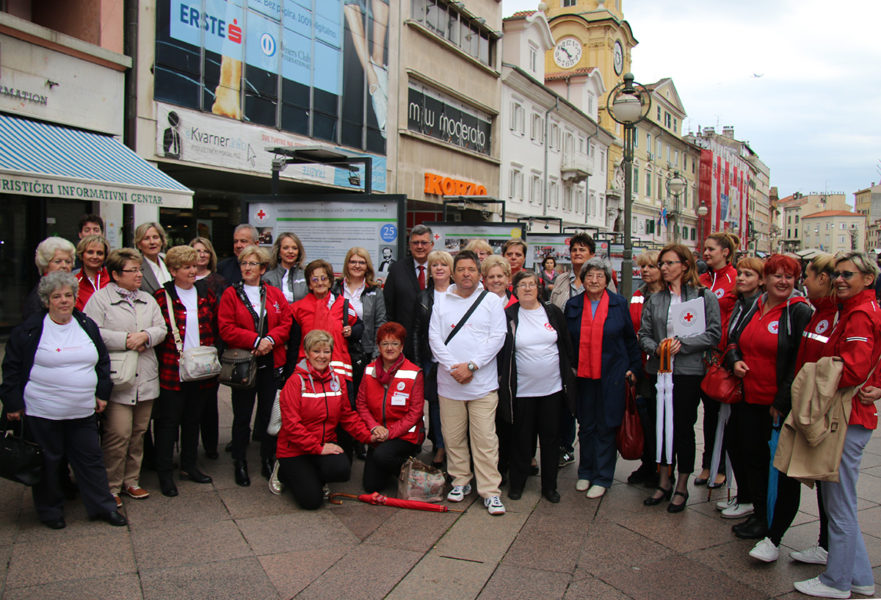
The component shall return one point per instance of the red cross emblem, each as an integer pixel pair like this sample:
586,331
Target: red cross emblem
688,317
261,214
437,236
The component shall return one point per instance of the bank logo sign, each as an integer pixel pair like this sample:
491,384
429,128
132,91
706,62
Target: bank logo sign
435,114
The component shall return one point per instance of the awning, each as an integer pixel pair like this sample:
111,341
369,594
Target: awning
51,161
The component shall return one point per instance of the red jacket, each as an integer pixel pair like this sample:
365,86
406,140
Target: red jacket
86,288
166,352
721,283
312,404
397,407
816,334
236,322
312,313
857,340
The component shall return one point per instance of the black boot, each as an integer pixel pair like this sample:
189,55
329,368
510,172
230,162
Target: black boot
266,467
241,473
754,528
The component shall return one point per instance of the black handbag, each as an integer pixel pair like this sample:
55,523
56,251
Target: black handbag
238,366
21,461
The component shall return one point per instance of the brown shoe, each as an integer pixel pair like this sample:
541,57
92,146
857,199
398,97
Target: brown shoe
136,492
118,500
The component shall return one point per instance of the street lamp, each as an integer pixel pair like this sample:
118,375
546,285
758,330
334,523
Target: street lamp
676,185
702,212
628,104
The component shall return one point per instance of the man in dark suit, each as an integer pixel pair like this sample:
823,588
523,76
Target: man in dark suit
244,235
405,279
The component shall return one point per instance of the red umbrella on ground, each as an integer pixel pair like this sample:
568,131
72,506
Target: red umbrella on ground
379,500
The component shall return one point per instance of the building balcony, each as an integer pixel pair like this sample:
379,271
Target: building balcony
575,168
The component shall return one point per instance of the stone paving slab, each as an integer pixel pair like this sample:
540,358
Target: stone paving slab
126,586
520,582
227,580
292,572
437,576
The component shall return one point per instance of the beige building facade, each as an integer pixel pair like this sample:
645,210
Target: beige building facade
834,231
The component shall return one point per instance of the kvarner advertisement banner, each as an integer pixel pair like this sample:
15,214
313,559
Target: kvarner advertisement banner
316,68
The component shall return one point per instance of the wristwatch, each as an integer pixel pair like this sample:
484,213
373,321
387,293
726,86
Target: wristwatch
471,366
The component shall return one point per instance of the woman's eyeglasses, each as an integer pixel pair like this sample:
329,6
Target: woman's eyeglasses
846,275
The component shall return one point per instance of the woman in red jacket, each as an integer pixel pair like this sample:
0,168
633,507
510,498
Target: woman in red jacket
720,252
763,349
390,401
237,319
313,402
92,251
856,338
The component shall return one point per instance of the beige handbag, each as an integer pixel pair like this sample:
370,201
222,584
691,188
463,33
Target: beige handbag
123,368
196,363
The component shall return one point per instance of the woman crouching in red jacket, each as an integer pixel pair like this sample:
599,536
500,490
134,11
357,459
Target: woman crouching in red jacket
313,402
390,401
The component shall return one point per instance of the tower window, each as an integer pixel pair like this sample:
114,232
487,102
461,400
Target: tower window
568,3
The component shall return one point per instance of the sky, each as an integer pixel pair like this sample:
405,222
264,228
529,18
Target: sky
800,80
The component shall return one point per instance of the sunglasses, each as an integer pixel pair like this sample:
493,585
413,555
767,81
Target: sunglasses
846,275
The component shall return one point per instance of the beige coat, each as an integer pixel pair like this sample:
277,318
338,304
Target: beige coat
812,437
116,318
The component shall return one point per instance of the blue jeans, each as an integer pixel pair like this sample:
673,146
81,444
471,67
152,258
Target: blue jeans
848,562
596,442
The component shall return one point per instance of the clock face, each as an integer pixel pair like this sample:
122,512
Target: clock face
567,53
619,58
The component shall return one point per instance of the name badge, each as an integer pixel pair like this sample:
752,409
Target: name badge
399,399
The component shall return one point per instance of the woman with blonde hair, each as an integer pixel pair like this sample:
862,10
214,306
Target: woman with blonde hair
92,252
286,267
681,284
150,239
481,248
206,266
496,272
52,254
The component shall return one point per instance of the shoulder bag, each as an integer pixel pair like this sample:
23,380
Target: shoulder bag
630,439
196,363
719,383
464,318
21,460
123,368
238,366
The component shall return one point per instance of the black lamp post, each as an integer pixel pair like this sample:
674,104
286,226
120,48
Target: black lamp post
628,104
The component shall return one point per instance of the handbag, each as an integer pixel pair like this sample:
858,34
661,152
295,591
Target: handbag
419,481
630,438
196,363
238,366
21,460
719,383
123,368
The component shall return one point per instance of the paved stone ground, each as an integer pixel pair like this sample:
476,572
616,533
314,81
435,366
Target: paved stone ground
222,541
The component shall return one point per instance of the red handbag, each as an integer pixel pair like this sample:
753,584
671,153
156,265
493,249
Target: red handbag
630,439
720,384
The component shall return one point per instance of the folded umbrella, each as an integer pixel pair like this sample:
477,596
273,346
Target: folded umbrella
378,499
773,474
716,458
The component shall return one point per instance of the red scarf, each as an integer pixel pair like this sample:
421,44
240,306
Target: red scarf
385,377
590,344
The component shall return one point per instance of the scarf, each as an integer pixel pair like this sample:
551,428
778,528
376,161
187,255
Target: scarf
385,377
128,296
590,344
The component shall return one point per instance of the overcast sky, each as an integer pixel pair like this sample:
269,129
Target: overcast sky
799,79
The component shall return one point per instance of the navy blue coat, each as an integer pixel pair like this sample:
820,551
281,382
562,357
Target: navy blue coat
620,351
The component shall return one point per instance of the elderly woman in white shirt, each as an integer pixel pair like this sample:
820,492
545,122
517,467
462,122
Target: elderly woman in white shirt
131,326
56,373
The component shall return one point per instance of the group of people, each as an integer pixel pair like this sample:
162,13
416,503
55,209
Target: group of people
509,361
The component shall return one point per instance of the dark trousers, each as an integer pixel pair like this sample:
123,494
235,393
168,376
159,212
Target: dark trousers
429,371
173,410
823,540
748,432
711,418
505,433
647,407
567,430
541,416
686,397
77,439
210,422
305,476
384,463
243,405
785,507
596,441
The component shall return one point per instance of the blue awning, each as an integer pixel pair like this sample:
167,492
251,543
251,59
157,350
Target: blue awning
51,161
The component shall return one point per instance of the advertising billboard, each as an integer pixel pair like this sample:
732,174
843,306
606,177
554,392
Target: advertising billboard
318,68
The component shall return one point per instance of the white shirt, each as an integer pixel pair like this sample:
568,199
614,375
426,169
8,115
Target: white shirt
538,359
253,294
354,297
190,299
160,271
478,341
62,382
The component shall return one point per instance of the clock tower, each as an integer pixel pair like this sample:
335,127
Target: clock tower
590,33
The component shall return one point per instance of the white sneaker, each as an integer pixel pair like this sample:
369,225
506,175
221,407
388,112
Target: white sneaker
494,505
275,484
815,587
596,491
815,555
765,551
581,485
723,504
738,510
863,590
458,493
